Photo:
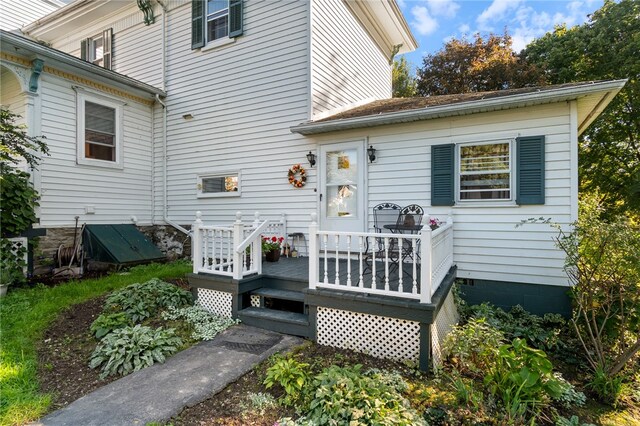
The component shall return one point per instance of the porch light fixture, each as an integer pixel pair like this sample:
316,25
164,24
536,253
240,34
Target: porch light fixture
371,152
312,158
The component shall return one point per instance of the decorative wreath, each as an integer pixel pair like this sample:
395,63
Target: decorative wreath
295,170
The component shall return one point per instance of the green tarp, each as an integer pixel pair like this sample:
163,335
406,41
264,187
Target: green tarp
120,244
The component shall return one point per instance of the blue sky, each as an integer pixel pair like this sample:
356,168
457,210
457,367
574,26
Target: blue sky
433,22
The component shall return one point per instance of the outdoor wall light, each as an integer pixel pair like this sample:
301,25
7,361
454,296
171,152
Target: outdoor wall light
312,158
187,116
371,152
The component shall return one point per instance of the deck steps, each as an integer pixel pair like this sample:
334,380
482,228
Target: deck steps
275,293
280,321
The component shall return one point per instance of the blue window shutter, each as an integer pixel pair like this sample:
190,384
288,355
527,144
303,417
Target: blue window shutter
442,175
235,18
197,23
530,170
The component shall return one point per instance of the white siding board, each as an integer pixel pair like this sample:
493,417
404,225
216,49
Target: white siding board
347,65
67,187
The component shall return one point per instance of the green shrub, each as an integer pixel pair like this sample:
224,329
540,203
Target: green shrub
132,348
259,402
608,388
205,324
106,323
344,395
522,378
570,397
541,332
142,300
473,347
292,375
573,421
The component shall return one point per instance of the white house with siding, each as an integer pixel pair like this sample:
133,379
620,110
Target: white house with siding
155,113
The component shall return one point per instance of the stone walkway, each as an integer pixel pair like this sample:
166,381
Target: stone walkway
161,391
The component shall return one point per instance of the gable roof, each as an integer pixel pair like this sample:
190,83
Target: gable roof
27,49
594,95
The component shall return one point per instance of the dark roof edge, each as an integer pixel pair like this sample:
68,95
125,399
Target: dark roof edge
86,69
462,108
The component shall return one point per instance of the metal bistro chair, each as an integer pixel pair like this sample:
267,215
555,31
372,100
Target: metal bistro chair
383,214
409,222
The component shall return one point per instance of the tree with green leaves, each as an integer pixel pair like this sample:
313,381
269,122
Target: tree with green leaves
606,47
404,84
18,198
477,65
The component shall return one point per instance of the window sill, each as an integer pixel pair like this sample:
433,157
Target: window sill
218,44
99,163
220,195
486,204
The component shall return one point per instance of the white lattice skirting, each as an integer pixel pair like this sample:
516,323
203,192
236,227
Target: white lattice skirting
382,337
445,320
255,300
216,302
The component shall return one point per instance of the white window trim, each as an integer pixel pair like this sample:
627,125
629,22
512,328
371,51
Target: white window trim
201,176
485,202
217,44
81,97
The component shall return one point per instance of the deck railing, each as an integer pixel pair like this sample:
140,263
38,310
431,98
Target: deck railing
232,250
401,265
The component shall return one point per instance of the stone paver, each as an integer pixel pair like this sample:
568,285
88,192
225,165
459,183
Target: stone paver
161,391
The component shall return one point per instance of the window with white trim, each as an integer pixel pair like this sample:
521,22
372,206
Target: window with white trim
97,49
485,171
217,19
219,185
99,130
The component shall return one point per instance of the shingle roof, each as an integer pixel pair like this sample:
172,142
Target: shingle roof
405,104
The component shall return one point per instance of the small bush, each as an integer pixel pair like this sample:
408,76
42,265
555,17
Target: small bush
573,421
205,324
472,347
106,323
608,388
344,395
260,402
522,378
132,348
570,397
292,375
142,300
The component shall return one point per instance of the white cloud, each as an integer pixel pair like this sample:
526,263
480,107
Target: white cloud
423,22
446,8
464,29
401,3
495,12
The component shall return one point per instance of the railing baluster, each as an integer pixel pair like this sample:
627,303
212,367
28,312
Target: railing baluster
325,240
360,279
348,260
373,263
386,263
400,271
337,260
414,289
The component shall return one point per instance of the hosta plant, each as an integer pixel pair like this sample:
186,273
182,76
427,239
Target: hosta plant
106,323
206,325
132,348
142,300
292,375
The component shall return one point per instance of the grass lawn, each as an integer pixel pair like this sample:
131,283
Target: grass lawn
24,316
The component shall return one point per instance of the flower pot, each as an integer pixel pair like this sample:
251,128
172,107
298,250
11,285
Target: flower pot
272,256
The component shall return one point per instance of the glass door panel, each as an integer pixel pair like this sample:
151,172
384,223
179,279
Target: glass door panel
342,183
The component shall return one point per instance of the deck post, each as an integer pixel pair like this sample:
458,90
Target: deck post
313,251
425,265
196,243
283,220
238,235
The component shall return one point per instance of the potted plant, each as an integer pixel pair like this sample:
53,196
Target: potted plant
271,247
434,223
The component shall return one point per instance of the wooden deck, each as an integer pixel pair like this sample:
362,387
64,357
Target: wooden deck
297,269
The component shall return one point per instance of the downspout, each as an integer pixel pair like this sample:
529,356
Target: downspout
165,203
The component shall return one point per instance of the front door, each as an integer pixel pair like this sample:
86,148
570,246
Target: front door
342,190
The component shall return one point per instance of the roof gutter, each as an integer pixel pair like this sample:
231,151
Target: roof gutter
88,69
54,15
462,108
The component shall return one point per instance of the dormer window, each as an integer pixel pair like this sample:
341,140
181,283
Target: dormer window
97,49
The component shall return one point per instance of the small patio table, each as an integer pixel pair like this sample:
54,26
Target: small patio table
407,249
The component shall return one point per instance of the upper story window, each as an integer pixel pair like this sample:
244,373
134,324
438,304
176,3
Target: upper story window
97,49
217,19
485,171
215,22
99,131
